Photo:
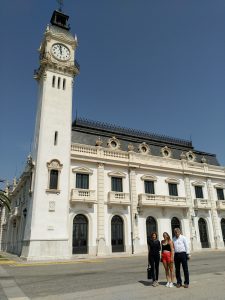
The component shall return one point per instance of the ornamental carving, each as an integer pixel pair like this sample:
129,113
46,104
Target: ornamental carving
113,143
166,152
98,142
190,156
144,148
54,164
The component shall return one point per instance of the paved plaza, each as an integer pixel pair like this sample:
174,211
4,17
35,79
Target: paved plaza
116,278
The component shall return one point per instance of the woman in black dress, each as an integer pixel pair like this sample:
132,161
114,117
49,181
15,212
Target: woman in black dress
154,257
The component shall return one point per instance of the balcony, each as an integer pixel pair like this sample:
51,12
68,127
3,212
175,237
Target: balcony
220,204
202,203
161,200
118,198
83,196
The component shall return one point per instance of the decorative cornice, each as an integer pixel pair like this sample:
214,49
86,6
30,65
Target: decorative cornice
82,170
117,174
198,183
149,177
172,180
219,186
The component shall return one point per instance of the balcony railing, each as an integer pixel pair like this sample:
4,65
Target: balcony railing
220,204
162,200
83,196
118,198
202,203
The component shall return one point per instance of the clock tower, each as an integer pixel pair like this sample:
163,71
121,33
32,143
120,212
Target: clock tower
46,233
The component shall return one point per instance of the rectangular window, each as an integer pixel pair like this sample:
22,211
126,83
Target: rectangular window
53,81
59,82
173,189
53,184
149,187
82,181
56,138
220,194
64,84
117,185
199,192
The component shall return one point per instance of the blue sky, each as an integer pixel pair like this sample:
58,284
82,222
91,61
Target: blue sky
155,65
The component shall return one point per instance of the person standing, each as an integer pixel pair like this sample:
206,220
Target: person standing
167,258
154,257
182,254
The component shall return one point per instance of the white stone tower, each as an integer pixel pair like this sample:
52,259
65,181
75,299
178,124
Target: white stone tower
46,233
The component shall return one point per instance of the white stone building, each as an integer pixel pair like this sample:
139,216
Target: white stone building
97,188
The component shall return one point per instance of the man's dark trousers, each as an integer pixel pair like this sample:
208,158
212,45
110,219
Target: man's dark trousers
181,258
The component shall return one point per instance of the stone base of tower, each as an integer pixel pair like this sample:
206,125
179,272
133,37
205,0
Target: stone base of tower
45,250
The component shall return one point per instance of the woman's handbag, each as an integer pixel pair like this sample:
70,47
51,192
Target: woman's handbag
149,272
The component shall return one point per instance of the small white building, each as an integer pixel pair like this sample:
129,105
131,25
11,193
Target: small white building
98,188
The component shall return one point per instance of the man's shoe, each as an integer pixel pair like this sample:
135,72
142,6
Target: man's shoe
186,286
178,285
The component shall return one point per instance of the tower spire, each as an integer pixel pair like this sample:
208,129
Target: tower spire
61,3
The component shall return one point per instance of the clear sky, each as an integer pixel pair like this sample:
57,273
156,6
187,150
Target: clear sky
156,65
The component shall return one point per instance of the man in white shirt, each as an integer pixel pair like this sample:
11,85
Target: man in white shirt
182,254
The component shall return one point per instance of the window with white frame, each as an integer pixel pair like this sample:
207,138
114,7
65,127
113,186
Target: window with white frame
117,184
173,191
149,187
173,186
54,169
220,193
82,181
199,192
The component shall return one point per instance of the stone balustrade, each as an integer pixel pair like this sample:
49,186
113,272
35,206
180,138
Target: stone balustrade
83,196
162,200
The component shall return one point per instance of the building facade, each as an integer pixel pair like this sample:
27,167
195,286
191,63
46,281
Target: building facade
99,189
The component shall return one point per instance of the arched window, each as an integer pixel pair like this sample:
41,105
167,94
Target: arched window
80,235
117,234
151,226
175,223
203,233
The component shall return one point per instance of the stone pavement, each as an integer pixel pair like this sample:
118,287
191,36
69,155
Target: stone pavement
205,287
121,278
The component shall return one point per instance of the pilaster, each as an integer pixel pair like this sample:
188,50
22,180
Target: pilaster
133,208
101,245
191,213
214,215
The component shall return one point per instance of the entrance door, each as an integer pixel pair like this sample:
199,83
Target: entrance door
117,234
80,234
175,223
203,233
150,226
223,229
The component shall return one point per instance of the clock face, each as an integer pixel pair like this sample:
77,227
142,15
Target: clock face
60,52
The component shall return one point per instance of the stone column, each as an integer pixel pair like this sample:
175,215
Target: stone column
191,212
214,215
101,245
133,210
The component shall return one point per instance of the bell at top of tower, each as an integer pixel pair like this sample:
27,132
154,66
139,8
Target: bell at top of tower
60,19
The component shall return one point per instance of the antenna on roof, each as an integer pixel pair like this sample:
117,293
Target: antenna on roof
61,3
